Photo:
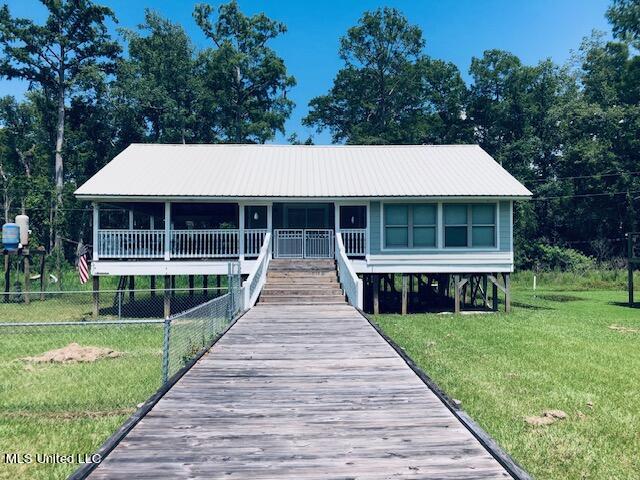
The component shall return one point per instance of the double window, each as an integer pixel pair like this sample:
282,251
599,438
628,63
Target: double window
416,225
410,226
470,225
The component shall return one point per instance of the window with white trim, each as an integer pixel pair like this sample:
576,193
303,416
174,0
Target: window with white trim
410,226
470,225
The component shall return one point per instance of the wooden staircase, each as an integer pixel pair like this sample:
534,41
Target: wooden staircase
301,282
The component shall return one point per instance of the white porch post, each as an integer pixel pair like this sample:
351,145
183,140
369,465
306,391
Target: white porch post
167,230
270,217
336,221
440,229
241,231
96,227
130,219
368,234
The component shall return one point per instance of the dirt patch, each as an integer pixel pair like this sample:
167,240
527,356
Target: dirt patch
547,418
623,329
73,353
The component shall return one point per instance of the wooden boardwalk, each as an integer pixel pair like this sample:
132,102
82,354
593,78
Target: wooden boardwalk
300,392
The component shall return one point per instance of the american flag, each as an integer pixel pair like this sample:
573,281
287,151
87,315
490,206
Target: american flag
81,263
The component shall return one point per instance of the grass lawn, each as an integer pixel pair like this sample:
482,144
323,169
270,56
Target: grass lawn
71,408
555,351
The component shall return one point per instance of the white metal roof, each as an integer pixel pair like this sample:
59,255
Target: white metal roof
296,171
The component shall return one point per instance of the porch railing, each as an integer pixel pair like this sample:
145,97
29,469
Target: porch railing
114,243
253,241
150,244
355,241
349,281
204,243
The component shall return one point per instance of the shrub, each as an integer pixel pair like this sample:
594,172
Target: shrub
551,257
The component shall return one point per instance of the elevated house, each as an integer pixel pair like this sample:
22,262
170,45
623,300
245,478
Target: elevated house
404,224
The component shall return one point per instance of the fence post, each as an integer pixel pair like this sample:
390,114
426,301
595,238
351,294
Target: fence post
630,259
119,304
27,275
165,350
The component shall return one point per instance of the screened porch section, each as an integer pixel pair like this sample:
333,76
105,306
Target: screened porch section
195,230
182,231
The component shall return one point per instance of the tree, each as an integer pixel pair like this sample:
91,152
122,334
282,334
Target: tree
245,82
624,16
24,163
601,143
156,91
72,46
517,112
388,91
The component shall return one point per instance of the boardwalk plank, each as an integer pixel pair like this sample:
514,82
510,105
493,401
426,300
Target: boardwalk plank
300,392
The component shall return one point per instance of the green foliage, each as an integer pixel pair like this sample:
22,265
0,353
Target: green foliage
66,58
601,278
156,91
100,102
624,16
551,257
571,134
71,46
388,91
244,81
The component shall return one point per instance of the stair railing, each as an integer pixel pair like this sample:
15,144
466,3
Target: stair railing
258,276
349,281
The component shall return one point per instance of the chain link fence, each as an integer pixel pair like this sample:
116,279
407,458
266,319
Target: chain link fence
61,366
189,333
87,305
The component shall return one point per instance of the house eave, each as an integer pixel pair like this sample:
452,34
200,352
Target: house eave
207,198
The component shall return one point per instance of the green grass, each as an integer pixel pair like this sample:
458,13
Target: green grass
547,354
555,351
71,408
71,282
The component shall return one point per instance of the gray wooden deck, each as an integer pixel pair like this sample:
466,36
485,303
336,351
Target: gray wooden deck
300,392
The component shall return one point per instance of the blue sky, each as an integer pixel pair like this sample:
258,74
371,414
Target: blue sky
454,31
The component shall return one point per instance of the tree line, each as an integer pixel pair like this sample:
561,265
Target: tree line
570,133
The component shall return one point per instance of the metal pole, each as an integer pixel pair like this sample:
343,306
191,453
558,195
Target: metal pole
165,350
630,266
27,275
119,304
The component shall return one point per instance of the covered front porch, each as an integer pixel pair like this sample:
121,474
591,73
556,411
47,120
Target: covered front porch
200,233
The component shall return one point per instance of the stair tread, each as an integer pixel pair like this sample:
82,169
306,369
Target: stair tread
300,288
335,295
303,282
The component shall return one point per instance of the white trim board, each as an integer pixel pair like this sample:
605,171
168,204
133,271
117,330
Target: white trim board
176,267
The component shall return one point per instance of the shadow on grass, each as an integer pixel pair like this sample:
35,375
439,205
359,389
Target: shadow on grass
153,307
624,304
529,306
560,298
